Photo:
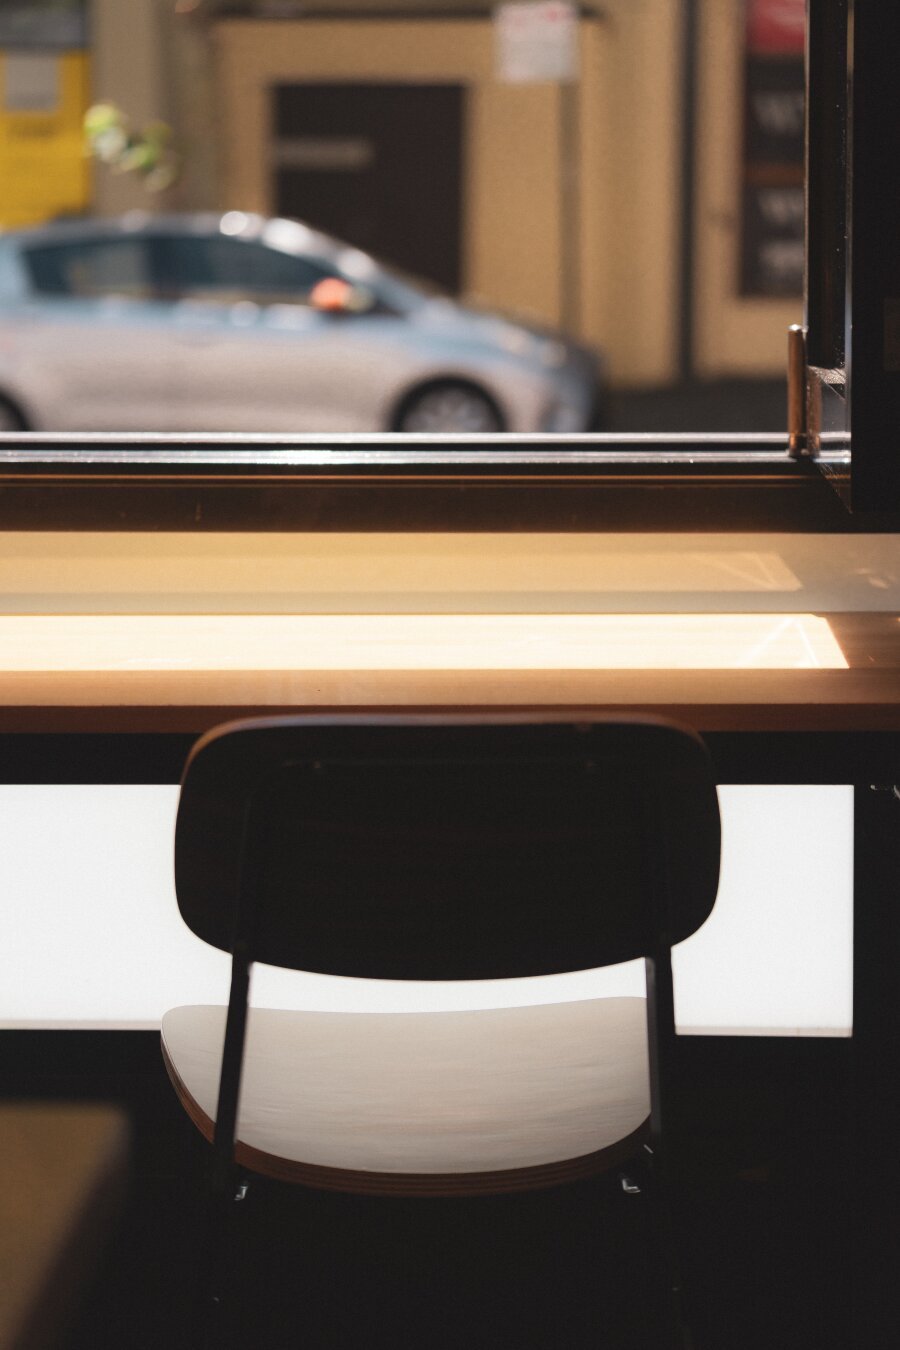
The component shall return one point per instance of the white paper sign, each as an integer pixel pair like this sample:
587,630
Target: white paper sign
535,42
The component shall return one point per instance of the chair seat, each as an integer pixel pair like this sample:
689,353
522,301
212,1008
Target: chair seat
425,1103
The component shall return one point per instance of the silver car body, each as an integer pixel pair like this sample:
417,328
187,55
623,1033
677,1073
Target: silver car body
132,352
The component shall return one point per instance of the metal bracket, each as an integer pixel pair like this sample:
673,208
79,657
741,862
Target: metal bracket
796,392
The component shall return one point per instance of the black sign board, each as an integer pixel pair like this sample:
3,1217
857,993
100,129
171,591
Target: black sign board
773,100
772,233
773,244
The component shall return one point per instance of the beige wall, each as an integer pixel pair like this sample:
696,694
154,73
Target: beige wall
624,155
641,188
128,69
191,107
734,334
510,228
212,83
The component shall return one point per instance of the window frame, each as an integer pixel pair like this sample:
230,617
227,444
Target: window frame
545,482
407,484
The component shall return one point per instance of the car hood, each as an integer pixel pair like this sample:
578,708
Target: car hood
510,335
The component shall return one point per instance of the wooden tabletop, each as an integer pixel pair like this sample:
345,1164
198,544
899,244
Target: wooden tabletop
186,672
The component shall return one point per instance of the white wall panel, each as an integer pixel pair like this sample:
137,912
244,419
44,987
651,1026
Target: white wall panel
91,934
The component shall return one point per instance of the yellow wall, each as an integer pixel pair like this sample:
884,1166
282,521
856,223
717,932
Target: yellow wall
43,168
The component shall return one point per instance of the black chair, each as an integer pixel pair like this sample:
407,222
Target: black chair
439,848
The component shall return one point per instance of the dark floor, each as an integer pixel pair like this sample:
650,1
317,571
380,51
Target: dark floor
764,1224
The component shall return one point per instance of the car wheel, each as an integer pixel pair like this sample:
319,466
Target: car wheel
450,408
10,417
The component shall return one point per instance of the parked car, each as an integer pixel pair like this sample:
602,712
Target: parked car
238,323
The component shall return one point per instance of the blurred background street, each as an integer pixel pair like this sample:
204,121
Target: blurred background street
716,405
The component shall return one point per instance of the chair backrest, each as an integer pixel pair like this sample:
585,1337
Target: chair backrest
447,848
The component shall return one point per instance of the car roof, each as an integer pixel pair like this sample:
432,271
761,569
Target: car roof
292,235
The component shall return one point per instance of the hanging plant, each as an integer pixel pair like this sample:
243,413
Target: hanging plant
150,152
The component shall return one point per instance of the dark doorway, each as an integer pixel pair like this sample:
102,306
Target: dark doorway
378,165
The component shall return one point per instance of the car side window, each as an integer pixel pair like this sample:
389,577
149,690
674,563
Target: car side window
221,269
90,269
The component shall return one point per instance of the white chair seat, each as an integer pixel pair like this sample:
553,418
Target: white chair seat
436,1094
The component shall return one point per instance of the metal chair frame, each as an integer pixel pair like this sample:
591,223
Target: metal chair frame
461,735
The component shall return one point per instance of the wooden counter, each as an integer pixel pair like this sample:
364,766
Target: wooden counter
117,650
182,672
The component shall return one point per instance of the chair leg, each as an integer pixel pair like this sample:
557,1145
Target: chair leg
678,1327
228,1187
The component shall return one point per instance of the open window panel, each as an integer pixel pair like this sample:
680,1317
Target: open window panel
853,249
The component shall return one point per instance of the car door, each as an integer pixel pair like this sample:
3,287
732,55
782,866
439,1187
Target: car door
251,353
92,347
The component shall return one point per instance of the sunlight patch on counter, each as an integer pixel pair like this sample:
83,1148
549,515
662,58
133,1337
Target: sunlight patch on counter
293,642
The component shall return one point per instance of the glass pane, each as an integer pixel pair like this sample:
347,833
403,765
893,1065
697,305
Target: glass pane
217,267
102,267
525,219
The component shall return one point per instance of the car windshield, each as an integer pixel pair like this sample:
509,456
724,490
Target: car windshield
401,291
